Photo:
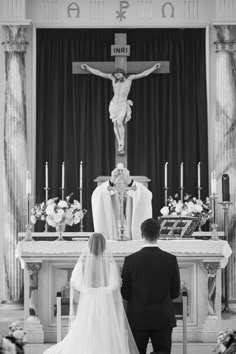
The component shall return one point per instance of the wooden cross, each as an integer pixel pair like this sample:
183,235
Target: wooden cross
121,50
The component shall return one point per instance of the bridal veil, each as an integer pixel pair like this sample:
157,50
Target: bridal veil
98,324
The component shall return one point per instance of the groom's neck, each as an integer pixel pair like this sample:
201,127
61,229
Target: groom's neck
147,242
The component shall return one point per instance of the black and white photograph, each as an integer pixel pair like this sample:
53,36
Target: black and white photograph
118,176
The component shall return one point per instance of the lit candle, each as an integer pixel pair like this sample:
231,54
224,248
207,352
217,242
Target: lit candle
81,175
28,183
181,175
46,175
213,182
63,176
165,175
199,175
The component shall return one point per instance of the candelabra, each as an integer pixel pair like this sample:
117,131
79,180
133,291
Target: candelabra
62,193
81,202
165,194
46,199
213,199
225,206
28,233
199,192
181,188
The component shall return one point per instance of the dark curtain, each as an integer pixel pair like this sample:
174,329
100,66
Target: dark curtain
169,116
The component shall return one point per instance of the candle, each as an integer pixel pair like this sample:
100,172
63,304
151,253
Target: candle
213,182
225,188
46,175
81,175
181,175
28,183
165,175
63,176
199,175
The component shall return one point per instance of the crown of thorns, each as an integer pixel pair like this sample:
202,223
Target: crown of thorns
120,71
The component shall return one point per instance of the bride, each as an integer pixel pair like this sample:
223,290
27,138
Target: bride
100,325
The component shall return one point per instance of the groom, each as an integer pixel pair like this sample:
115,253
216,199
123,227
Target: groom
150,281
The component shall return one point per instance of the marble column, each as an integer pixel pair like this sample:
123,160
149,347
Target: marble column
15,155
213,320
225,131
211,270
32,323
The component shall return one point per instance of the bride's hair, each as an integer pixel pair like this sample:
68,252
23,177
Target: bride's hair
97,244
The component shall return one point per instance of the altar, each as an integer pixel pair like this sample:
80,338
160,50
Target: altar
47,268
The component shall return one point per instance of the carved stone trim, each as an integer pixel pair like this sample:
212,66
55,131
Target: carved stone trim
33,269
225,46
15,39
211,270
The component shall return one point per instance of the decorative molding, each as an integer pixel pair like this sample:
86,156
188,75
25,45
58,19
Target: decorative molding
14,9
33,269
225,46
191,9
15,39
145,9
96,9
211,270
49,10
225,9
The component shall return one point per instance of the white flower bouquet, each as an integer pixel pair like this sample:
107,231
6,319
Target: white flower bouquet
56,212
190,206
15,340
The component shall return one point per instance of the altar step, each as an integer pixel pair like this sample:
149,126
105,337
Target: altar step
15,312
177,348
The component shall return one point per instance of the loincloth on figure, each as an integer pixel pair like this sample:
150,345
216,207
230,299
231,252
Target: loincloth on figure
120,112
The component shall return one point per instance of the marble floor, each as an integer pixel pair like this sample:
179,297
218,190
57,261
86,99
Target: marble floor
10,313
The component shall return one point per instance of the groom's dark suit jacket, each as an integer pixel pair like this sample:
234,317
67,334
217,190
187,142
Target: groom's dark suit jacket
150,281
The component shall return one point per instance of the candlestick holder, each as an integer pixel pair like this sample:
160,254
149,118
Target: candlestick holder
46,188
62,193
226,310
81,203
28,233
181,188
199,188
213,199
214,233
165,194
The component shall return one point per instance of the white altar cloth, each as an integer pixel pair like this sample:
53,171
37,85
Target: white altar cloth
181,248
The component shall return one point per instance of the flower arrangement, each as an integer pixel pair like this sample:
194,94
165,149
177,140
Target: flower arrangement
190,206
56,212
14,341
226,341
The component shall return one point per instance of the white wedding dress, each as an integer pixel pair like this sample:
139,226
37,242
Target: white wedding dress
100,325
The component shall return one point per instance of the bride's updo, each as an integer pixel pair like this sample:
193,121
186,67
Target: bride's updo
97,244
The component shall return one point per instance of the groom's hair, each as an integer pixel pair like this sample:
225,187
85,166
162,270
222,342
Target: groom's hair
150,229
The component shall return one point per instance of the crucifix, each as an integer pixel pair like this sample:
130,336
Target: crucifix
120,106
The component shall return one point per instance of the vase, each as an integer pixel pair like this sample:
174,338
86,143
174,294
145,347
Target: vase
60,228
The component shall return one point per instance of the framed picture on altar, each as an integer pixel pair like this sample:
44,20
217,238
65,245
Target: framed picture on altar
175,227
